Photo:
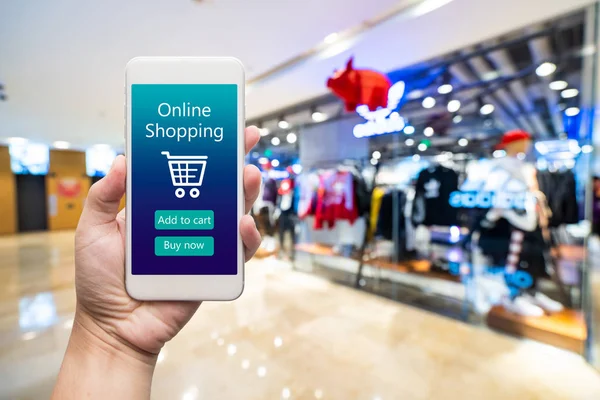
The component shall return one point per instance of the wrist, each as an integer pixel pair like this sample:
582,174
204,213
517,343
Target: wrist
99,366
87,332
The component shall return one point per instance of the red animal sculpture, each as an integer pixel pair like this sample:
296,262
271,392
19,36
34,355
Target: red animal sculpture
360,86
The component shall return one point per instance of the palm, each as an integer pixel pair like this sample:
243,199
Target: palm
100,261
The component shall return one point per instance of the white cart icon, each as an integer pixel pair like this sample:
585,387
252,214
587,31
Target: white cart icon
186,171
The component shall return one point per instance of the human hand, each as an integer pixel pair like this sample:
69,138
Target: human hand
104,308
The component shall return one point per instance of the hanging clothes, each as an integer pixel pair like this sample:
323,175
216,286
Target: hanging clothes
335,199
432,197
376,198
388,217
560,189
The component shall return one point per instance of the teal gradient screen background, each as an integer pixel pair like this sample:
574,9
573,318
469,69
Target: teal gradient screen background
152,188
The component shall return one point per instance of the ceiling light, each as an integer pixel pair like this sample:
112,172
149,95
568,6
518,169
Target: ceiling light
463,142
373,161
558,85
490,76
263,160
487,109
264,131
275,162
453,105
275,141
332,37
416,157
17,140
545,69
297,168
587,148
422,147
291,137
61,144
457,119
569,93
409,142
428,102
318,116
428,131
409,129
572,111
445,88
499,153
283,124
376,155
415,94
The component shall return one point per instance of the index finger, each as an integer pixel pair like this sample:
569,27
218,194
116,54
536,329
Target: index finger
252,135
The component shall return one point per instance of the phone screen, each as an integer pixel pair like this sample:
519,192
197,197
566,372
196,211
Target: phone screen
184,177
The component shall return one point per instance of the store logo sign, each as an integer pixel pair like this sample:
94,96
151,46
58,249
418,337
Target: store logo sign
383,120
485,199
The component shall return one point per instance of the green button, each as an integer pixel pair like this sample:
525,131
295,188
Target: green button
184,246
184,219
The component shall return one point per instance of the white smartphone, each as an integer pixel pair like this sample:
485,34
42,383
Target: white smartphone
184,123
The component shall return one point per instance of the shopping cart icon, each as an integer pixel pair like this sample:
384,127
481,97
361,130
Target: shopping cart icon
186,171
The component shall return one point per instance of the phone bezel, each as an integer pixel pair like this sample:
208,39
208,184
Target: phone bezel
186,70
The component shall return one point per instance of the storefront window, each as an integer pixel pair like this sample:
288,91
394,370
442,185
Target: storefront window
466,195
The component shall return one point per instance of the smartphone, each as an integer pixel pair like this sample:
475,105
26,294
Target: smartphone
184,124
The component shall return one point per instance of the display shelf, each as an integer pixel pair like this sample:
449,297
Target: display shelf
416,267
565,329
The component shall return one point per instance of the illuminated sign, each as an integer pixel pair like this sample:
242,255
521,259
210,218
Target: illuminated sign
383,120
486,199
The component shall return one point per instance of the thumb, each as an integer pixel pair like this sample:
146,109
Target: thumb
104,197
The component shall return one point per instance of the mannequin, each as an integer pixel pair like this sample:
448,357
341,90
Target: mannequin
516,231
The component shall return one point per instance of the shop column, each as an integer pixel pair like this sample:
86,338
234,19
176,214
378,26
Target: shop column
67,186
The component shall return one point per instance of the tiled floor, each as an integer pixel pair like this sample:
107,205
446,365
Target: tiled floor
290,335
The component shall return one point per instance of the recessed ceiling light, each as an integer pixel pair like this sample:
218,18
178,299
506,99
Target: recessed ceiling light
558,85
428,131
457,119
376,155
17,140
453,105
569,93
463,142
61,144
572,111
545,69
445,88
487,109
318,116
428,102
415,94
409,142
264,131
409,129
275,162
283,124
422,147
275,141
291,137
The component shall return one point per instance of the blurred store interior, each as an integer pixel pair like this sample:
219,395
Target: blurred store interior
441,245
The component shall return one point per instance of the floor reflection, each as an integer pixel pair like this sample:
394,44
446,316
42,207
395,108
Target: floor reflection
290,336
